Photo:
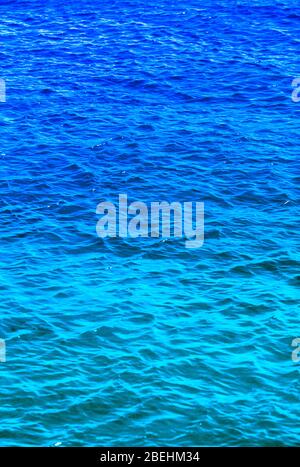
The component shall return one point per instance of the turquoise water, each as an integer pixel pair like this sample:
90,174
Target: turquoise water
142,341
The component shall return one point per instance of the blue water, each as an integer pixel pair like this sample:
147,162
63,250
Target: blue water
143,341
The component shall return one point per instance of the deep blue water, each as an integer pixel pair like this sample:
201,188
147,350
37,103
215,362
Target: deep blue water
140,341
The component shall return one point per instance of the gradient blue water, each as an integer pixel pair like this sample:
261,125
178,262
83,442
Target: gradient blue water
144,342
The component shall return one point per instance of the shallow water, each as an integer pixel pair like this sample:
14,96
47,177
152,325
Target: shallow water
142,341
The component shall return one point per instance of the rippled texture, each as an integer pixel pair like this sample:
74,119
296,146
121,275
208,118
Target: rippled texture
138,341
